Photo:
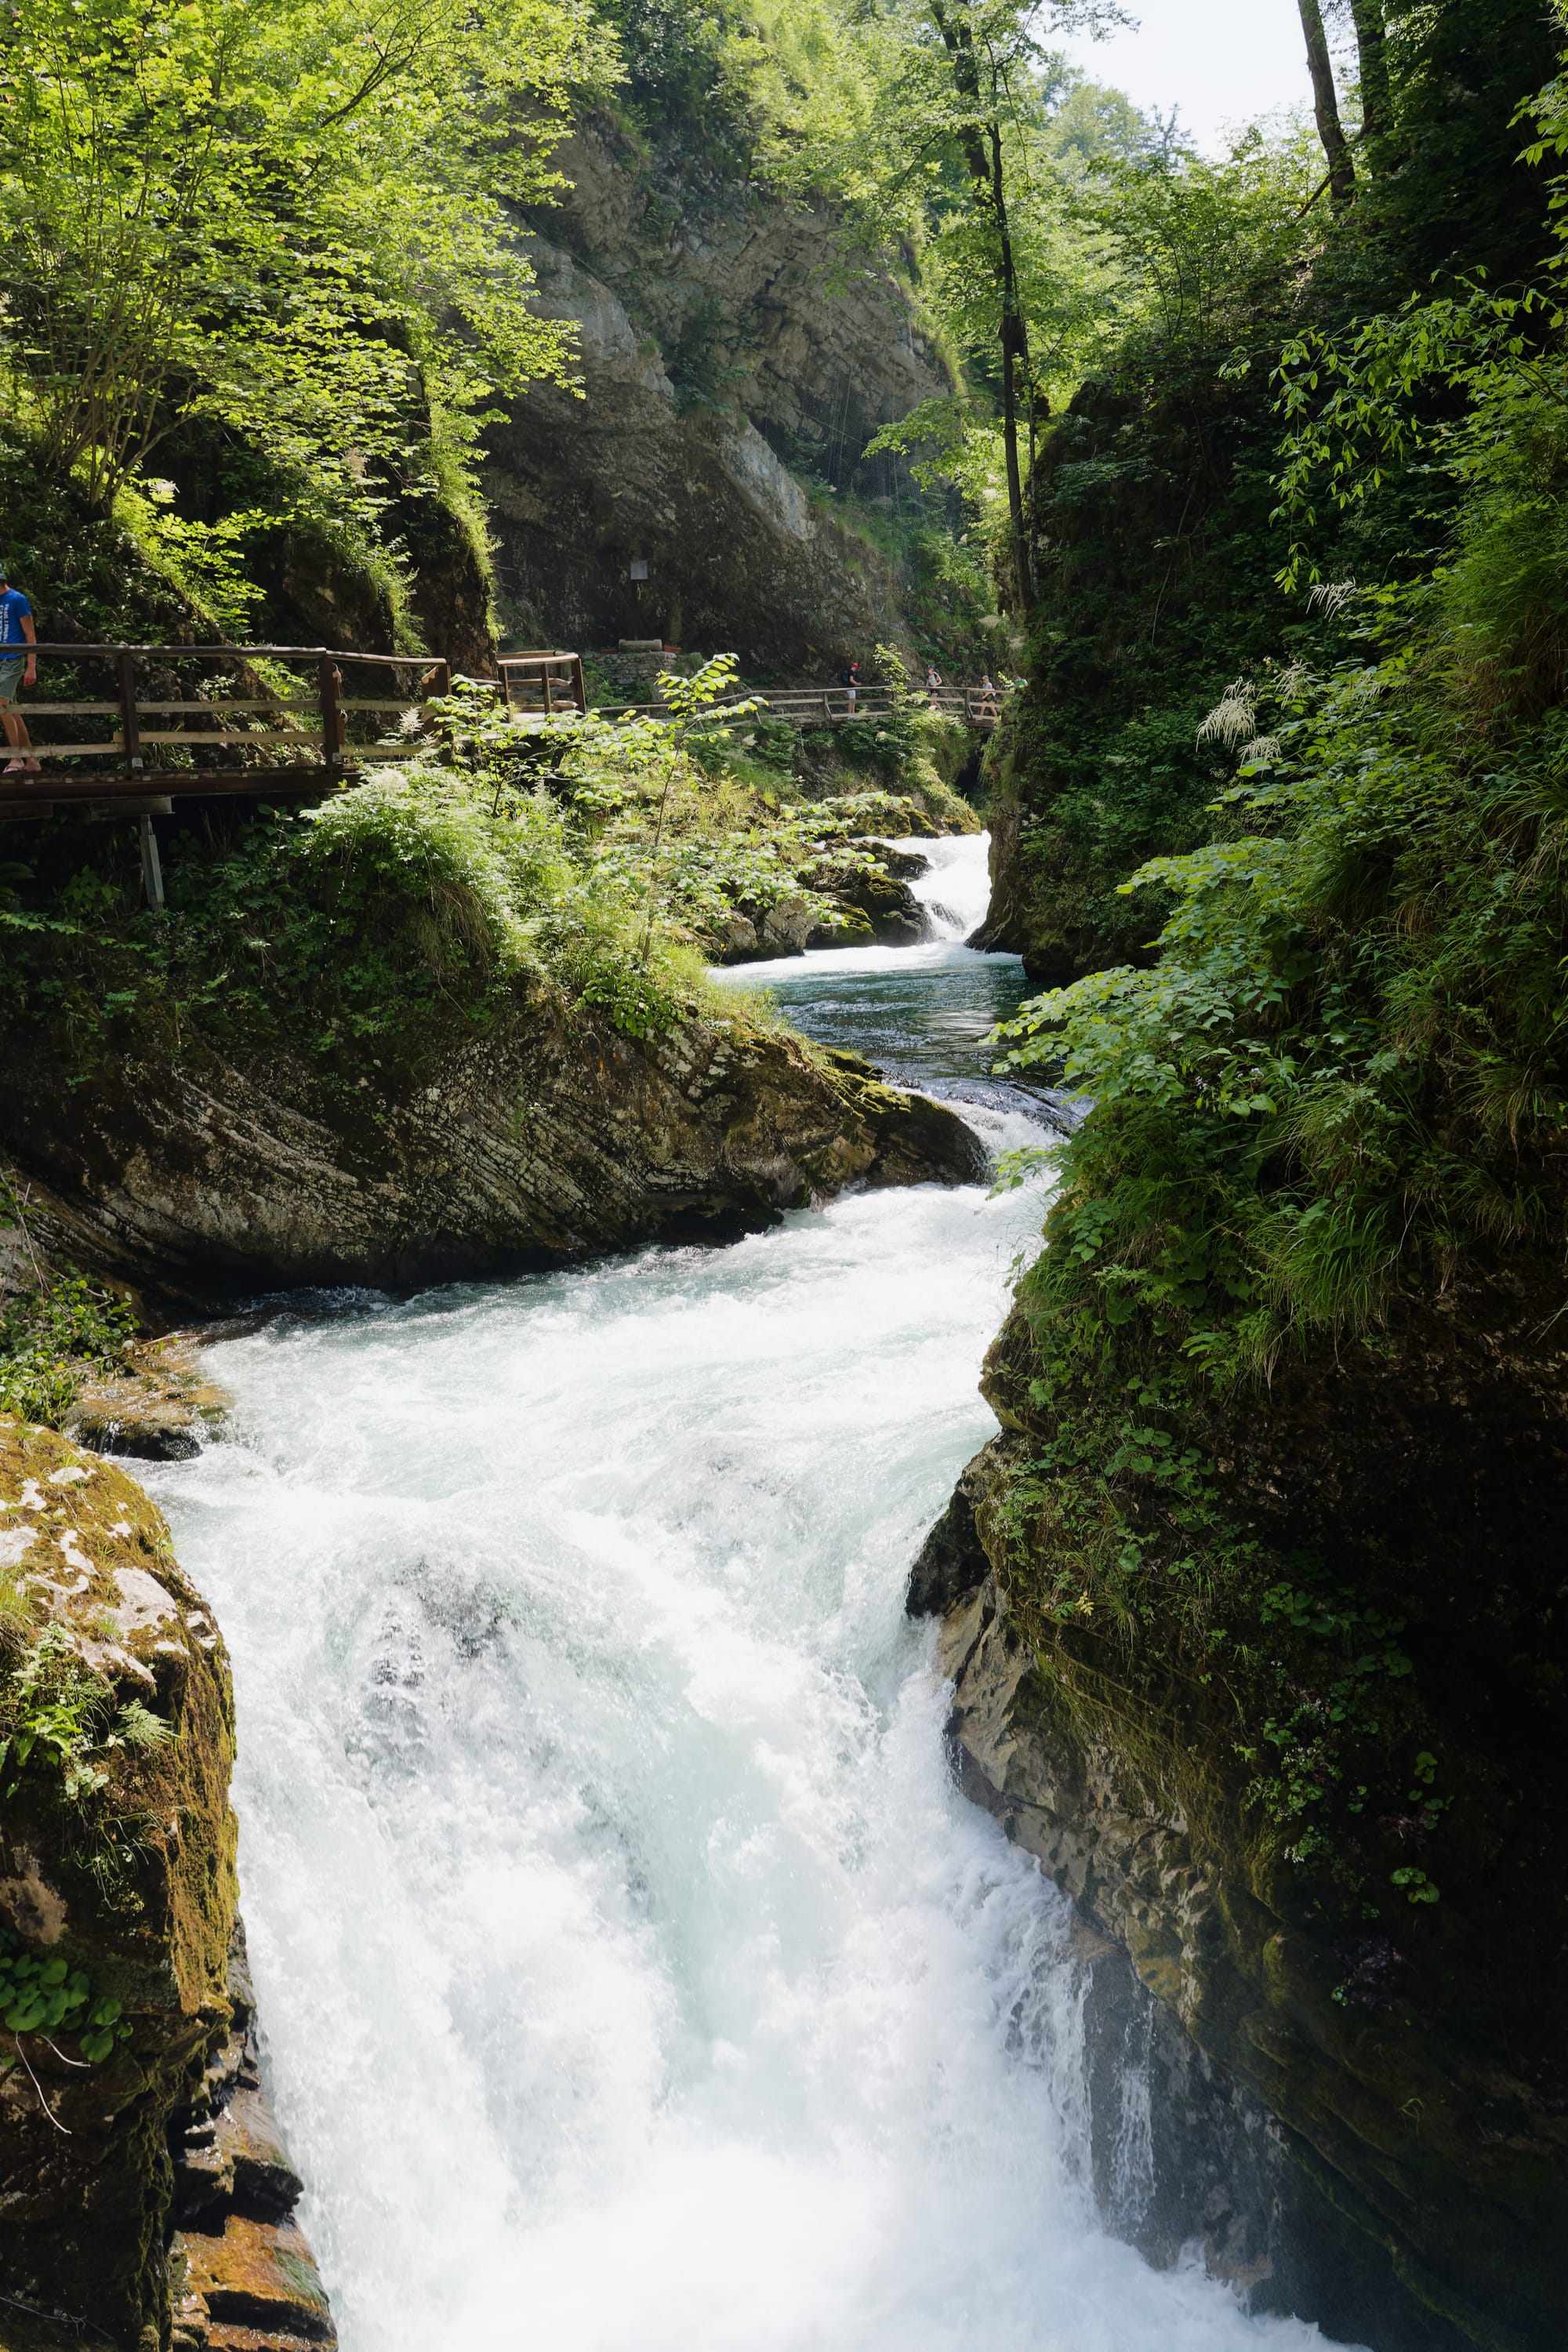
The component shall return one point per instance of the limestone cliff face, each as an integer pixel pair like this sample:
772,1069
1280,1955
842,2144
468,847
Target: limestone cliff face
722,331
1410,2050
542,1137
117,1883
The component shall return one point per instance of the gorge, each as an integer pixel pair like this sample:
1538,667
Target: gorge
872,1509
628,1777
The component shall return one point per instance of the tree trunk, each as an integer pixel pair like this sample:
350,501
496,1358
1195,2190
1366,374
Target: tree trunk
1371,48
1326,105
1015,349
980,141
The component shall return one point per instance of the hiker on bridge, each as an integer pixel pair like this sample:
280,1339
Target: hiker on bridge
987,696
15,672
849,680
934,682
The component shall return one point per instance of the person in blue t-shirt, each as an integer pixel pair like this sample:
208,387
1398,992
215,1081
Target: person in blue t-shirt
17,671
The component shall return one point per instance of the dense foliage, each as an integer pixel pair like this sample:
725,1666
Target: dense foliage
1156,497
289,219
267,250
1341,1090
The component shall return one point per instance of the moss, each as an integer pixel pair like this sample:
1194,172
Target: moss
132,1878
1280,1698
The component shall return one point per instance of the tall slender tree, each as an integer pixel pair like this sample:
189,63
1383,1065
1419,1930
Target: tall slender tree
979,62
1326,105
1372,51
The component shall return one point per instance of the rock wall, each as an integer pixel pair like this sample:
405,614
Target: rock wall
721,331
120,1881
547,1136
1406,2053
242,2275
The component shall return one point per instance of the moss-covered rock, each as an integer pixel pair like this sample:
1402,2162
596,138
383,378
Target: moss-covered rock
1295,1738
154,1403
116,1858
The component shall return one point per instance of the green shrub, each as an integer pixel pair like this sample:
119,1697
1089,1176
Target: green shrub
1344,1079
51,1338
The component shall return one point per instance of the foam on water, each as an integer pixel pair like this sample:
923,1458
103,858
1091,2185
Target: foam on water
634,1978
955,888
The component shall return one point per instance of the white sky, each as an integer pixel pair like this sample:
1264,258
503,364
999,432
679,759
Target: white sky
1221,61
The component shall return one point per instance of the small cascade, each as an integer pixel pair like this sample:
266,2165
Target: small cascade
955,890
1132,2150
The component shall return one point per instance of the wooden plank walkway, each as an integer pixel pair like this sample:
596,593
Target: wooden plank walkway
270,741
132,751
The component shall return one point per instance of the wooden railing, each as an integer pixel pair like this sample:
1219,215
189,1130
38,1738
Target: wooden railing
274,743
280,741
551,683
829,706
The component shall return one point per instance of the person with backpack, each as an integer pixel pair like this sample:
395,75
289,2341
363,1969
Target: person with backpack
849,680
18,669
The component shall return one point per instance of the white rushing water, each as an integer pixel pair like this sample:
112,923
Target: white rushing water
955,888
634,1979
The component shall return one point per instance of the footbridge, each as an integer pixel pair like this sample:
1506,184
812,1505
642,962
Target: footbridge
132,728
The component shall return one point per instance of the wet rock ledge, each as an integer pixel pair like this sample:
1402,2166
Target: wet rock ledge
242,2276
146,2200
540,1139
1361,2094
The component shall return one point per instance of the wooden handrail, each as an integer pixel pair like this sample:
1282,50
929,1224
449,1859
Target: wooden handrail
544,662
130,730
329,759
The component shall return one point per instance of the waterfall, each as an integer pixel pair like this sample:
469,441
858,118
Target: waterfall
955,890
635,1978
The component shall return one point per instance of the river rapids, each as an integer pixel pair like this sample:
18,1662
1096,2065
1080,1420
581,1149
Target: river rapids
634,1977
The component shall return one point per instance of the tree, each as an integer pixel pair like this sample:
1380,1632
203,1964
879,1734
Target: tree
986,45
1326,105
1372,52
954,146
992,53
287,212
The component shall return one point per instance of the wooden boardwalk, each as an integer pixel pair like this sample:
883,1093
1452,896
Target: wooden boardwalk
274,721
140,727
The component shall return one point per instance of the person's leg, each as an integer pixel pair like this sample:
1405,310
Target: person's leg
16,735
11,719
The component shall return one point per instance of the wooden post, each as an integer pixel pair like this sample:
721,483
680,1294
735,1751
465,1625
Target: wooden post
827,707
443,678
126,664
151,871
549,691
334,722
506,686
579,692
